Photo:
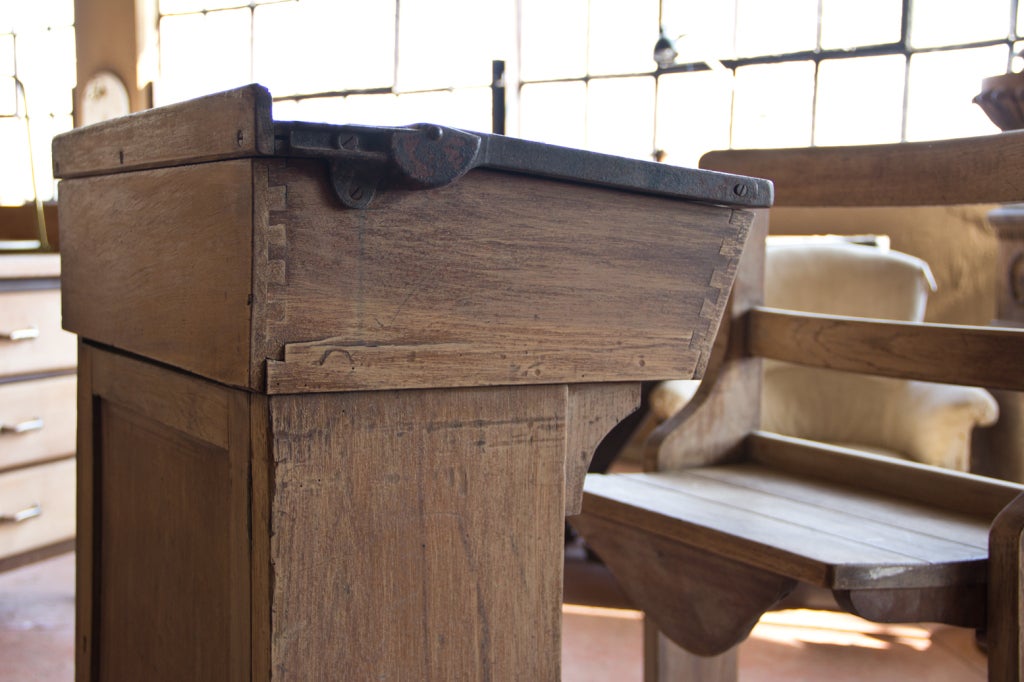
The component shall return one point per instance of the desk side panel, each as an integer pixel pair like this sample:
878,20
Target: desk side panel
163,553
496,279
418,535
158,263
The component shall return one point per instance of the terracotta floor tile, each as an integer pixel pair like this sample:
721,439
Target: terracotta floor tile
37,639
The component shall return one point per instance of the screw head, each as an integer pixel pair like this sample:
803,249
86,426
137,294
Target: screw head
740,190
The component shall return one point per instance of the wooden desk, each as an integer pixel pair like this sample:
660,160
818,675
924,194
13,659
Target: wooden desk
339,386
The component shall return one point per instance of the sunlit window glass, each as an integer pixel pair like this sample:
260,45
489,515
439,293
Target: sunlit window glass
36,15
381,110
952,22
318,109
451,44
554,39
555,113
620,116
860,101
706,28
773,105
296,46
203,53
183,6
853,23
37,78
622,36
941,87
690,102
8,92
775,26
468,108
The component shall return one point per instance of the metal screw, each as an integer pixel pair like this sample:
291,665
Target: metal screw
740,190
348,141
356,193
434,133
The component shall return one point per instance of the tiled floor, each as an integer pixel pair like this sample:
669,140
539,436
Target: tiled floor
37,633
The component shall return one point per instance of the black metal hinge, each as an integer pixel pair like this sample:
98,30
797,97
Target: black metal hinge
364,159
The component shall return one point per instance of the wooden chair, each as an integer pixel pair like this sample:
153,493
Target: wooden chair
728,519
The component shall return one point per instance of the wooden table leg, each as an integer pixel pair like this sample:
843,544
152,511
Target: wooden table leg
419,534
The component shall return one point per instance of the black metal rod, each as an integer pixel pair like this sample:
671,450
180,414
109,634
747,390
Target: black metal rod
498,97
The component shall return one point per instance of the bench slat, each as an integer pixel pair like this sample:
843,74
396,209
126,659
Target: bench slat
860,509
786,536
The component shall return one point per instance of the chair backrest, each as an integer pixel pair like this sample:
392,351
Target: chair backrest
980,170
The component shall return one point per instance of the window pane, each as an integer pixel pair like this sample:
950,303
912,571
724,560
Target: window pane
694,111
200,54
6,54
297,49
860,101
949,22
452,42
378,110
852,23
622,36
46,66
554,39
318,109
620,116
555,113
15,185
10,100
468,108
708,28
775,26
8,96
183,6
941,87
36,15
773,105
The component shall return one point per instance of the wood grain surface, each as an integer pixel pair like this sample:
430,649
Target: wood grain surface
959,171
172,278
799,527
430,535
226,125
978,356
496,279
163,553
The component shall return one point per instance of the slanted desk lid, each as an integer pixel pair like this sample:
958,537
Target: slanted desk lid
364,159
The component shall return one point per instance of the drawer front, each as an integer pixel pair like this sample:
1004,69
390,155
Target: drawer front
31,339
37,420
37,507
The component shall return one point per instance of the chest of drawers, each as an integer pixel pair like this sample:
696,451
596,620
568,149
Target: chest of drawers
37,413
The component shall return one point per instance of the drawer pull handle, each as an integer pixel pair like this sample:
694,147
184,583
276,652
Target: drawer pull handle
34,424
23,334
23,515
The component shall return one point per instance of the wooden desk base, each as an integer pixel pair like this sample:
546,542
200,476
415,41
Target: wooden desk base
227,535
